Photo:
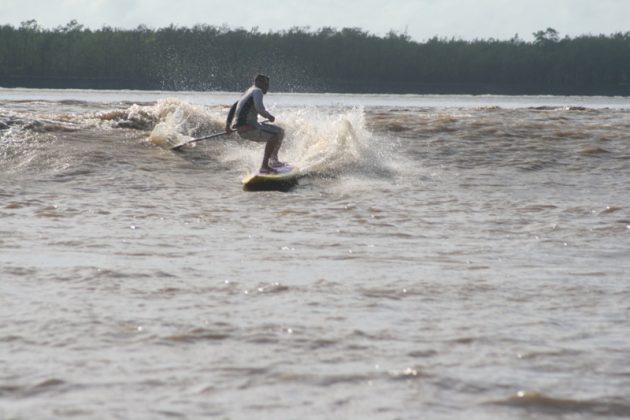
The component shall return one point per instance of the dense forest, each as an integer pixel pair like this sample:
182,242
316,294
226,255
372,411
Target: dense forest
302,60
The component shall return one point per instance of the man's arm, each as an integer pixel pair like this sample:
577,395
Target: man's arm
230,117
258,103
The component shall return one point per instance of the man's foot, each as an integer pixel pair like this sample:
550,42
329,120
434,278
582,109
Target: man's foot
274,163
267,170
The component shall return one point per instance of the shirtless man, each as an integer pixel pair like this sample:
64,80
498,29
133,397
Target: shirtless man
244,113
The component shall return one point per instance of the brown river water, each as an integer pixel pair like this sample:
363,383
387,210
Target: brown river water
442,257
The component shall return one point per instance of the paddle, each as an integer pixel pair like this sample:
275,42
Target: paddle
211,136
184,143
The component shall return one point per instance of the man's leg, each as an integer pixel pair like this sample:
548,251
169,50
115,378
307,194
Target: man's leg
274,135
271,147
278,137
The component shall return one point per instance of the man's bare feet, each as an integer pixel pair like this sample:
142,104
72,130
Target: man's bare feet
267,170
274,163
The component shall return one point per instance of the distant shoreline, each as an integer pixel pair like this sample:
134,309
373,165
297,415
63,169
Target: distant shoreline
333,87
206,58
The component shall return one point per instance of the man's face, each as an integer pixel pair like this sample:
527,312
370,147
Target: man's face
264,86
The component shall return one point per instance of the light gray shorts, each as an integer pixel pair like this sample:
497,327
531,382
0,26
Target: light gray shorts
261,132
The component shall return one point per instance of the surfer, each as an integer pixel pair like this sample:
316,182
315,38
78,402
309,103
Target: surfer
244,113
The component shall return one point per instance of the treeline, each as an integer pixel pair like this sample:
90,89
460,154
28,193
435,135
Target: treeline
326,60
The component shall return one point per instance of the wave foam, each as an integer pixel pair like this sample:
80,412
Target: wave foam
321,142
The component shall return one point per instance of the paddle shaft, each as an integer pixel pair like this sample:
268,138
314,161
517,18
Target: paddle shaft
211,136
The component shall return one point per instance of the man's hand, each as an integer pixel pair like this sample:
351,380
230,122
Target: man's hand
271,118
228,129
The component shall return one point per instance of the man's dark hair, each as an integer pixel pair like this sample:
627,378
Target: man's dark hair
261,78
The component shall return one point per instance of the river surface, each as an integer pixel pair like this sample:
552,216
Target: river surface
442,257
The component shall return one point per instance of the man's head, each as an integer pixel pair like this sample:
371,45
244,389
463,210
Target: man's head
262,82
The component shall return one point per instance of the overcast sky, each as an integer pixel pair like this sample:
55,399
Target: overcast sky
420,19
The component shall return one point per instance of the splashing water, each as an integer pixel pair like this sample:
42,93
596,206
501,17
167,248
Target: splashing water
321,143
178,121
327,143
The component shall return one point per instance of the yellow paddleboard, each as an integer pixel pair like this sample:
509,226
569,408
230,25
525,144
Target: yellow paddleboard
284,179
